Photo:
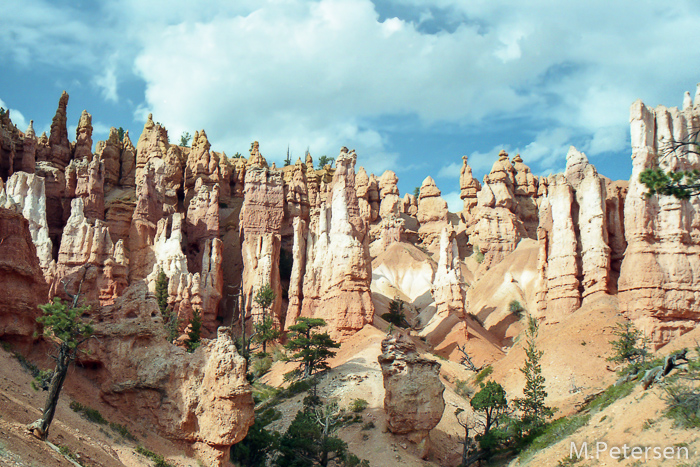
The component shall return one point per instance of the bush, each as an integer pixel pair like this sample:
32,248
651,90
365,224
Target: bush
368,426
358,405
261,365
478,255
516,308
88,413
483,374
122,431
683,401
462,389
159,461
630,347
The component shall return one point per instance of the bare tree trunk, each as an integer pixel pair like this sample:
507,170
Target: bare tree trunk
59,376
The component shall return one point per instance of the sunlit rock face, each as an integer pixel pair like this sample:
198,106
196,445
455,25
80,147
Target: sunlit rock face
338,274
659,286
413,398
575,256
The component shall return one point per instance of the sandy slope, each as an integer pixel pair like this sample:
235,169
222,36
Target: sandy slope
95,445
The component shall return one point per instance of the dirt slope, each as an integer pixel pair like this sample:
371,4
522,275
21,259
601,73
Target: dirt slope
95,445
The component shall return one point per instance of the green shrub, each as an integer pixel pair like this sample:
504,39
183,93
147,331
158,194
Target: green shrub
478,255
483,374
358,405
516,308
683,400
610,395
159,461
462,389
88,413
261,365
122,431
553,432
368,426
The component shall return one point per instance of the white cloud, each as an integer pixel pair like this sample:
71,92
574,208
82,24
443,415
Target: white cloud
16,117
107,82
323,74
450,170
454,202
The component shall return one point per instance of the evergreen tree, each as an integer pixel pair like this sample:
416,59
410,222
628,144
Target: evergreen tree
681,184
265,330
170,320
194,334
185,139
288,159
120,133
532,405
309,440
491,403
631,345
311,349
325,160
62,323
396,315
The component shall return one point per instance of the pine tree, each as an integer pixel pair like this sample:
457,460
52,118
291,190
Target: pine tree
185,138
170,320
62,323
265,330
311,349
631,345
194,334
532,405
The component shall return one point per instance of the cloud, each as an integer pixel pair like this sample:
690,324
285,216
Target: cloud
450,171
107,82
327,73
16,117
454,202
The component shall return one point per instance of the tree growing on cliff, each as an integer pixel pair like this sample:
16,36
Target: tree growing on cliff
532,405
324,161
265,330
630,346
195,332
170,320
681,183
185,138
492,405
396,315
64,325
310,441
311,349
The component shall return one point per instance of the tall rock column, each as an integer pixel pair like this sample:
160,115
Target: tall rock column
448,284
559,294
469,188
413,400
590,193
260,223
496,230
338,268
659,285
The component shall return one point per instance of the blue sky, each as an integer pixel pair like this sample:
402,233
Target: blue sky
412,85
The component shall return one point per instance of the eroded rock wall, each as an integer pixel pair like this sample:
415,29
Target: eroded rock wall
659,285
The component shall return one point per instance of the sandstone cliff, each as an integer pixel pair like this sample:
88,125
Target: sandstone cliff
413,402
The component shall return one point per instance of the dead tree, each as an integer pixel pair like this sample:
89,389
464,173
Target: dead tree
469,424
657,373
466,360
